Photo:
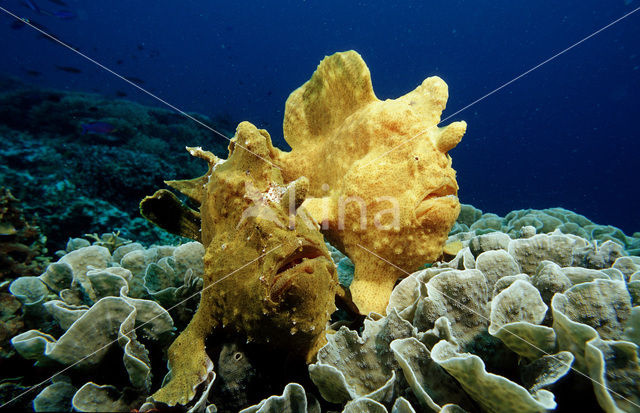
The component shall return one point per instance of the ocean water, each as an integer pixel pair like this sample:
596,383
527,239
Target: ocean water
564,134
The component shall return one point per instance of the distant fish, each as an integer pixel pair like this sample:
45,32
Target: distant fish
17,24
134,79
120,94
59,3
61,14
32,5
64,14
7,229
119,61
69,69
100,128
31,72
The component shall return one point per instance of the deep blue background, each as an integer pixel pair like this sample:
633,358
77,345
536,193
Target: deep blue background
564,135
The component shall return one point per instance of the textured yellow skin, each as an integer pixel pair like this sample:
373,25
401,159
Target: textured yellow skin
241,290
351,144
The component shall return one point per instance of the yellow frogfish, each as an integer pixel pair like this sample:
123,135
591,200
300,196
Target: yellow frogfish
268,273
381,181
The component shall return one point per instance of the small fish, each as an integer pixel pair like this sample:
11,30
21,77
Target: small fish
32,5
119,61
120,94
100,128
31,72
7,229
17,24
59,3
64,14
134,79
69,69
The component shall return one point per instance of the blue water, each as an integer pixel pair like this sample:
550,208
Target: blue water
565,134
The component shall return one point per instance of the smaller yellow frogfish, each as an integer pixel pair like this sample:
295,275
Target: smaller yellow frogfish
268,274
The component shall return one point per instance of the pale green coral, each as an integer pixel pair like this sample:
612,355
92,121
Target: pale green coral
92,397
515,314
460,296
430,384
352,366
520,223
293,400
493,392
590,328
86,296
55,398
503,344
615,368
86,342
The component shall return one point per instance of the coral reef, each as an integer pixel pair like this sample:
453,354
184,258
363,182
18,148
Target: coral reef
22,246
293,399
11,323
527,322
505,326
78,183
472,220
96,298
283,288
534,311
400,206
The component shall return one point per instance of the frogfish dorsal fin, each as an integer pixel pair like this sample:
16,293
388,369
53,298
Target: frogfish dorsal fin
340,86
166,211
194,188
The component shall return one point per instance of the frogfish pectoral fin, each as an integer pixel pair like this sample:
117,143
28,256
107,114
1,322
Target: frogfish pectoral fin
166,211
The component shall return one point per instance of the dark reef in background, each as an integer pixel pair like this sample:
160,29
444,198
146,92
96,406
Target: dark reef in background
79,182
22,245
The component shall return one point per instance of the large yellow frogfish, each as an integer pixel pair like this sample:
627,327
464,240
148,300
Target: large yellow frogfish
380,173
